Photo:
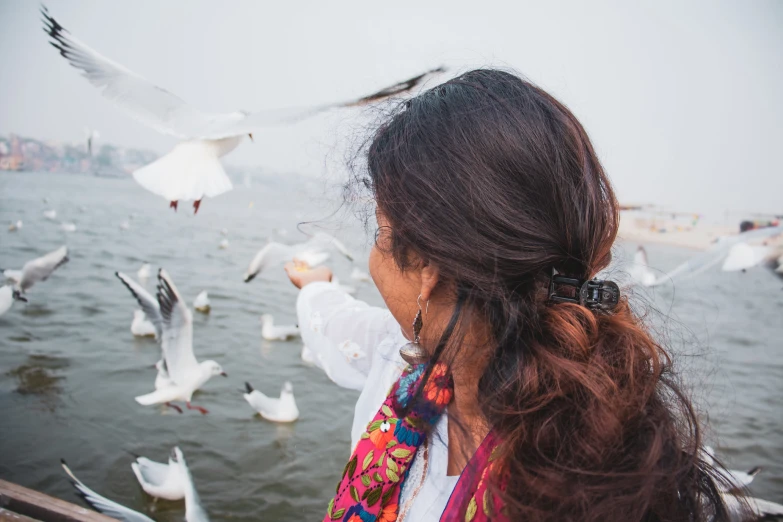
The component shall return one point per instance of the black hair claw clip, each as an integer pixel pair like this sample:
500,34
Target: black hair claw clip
596,294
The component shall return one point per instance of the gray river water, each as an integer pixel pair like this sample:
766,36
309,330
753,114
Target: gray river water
69,367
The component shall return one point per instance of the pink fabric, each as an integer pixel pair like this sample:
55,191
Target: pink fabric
369,490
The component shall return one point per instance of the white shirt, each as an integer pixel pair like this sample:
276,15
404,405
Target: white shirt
358,347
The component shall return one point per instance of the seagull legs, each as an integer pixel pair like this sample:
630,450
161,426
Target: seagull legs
201,410
173,406
173,205
196,204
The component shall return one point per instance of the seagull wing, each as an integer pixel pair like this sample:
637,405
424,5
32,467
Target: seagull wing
272,252
144,101
177,338
41,268
148,303
716,253
259,120
324,240
194,511
13,276
103,504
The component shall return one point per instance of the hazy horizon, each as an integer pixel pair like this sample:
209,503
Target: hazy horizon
681,101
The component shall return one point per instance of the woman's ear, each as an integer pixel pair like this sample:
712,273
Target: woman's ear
429,279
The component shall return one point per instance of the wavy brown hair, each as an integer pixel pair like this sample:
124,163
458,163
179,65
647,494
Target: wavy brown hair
496,182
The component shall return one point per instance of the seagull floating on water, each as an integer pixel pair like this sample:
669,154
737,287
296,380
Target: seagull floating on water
149,305
640,269
270,332
192,170
13,227
176,324
223,244
201,303
194,511
38,269
144,272
277,410
159,480
141,326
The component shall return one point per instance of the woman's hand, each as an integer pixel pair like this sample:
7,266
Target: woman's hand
302,277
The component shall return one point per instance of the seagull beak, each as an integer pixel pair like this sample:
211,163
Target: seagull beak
224,374
250,134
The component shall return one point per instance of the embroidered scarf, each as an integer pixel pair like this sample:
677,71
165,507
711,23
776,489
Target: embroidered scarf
369,490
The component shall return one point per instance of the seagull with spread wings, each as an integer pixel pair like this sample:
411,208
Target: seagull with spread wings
192,170
194,510
35,270
175,320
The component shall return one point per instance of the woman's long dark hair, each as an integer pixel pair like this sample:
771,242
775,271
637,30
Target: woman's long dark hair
496,182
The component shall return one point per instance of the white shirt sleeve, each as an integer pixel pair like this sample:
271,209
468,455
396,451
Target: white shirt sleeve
341,332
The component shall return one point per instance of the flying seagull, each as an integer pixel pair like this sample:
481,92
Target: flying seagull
186,374
192,170
716,253
38,269
307,254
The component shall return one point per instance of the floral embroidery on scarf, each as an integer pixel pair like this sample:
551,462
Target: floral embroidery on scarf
369,490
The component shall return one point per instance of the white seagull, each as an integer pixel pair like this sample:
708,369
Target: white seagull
38,269
102,504
159,480
13,227
716,253
192,170
149,305
201,303
223,244
144,272
270,332
7,297
737,480
277,410
640,269
187,374
141,326
50,214
194,511
306,255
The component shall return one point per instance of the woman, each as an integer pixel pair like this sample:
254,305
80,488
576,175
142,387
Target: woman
522,401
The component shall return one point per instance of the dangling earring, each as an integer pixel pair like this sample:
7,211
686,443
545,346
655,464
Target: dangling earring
413,353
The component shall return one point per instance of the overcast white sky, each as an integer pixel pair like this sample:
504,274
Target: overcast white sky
682,99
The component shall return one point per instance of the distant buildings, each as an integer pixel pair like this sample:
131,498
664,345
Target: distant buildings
19,154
